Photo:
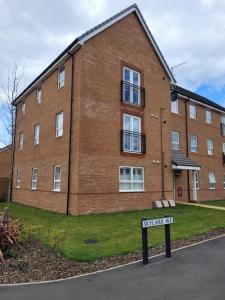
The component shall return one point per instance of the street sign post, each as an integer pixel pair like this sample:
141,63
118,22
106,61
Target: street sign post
147,223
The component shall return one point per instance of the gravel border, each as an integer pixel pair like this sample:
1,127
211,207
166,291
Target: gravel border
39,263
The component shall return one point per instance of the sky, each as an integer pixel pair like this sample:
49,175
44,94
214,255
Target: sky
33,33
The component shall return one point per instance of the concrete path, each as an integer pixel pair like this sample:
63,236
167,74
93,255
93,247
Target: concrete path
202,205
196,273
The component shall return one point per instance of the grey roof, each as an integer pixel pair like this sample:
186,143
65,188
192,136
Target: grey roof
181,159
133,7
196,97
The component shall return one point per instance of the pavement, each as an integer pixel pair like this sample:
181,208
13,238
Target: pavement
196,272
202,205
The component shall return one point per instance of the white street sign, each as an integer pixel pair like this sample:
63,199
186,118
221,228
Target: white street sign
157,222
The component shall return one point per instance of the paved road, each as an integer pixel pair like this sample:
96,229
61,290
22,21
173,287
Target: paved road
193,273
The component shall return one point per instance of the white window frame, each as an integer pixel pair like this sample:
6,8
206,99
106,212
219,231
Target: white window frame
197,181
131,181
194,143
23,107
175,143
59,129
34,178
208,116
175,106
18,178
36,134
193,111
56,181
38,95
21,141
210,148
132,71
212,180
223,146
61,79
132,117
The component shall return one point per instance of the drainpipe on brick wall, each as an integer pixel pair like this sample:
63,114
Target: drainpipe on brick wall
187,148
70,134
162,155
12,157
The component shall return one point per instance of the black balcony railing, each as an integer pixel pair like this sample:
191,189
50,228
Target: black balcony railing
134,142
222,129
132,94
223,157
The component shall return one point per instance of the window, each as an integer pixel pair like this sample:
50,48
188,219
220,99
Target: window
36,134
61,77
34,178
57,178
175,106
23,107
194,143
175,140
193,111
131,179
59,125
197,183
131,133
208,116
223,147
223,125
38,95
18,179
210,147
212,181
21,141
131,91
224,181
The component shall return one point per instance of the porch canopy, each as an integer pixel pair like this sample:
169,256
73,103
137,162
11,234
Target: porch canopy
181,162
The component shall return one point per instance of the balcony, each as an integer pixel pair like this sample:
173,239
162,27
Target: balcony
133,142
222,129
132,94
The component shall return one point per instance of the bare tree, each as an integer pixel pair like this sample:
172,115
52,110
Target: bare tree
8,94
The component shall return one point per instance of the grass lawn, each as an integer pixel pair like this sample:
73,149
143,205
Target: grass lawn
214,202
116,233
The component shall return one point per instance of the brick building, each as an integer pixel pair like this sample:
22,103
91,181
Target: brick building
94,128
5,154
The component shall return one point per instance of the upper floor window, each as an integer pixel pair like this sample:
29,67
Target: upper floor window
194,143
175,106
131,179
175,140
23,107
59,125
34,178
208,116
36,134
132,91
212,181
21,141
38,95
132,141
57,178
18,178
223,125
210,147
61,77
223,147
193,111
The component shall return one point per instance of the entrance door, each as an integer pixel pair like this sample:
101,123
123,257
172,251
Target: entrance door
195,185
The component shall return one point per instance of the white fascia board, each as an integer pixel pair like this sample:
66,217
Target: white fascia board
180,167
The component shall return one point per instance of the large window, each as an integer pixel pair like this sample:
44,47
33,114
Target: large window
208,116
61,77
18,179
34,178
132,82
193,111
175,106
59,125
36,134
131,133
210,147
212,181
175,140
57,178
131,179
21,141
194,143
38,95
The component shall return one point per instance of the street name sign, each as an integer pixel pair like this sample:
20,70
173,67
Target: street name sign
157,222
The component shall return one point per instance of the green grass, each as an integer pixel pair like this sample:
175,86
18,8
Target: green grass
117,233
214,202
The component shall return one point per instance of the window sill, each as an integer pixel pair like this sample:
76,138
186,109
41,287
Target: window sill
138,191
56,191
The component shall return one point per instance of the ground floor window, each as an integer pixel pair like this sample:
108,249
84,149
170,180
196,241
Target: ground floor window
57,178
131,179
18,178
212,181
224,181
34,178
